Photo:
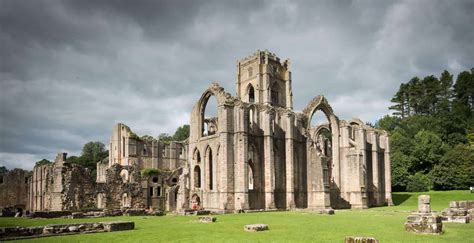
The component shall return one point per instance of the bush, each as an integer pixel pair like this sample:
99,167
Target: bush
149,171
418,182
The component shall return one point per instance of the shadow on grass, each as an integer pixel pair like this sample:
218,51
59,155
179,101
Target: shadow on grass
399,198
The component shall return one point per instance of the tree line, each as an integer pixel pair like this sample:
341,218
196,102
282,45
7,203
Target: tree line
432,133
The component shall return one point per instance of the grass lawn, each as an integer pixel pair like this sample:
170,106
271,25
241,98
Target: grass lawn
383,223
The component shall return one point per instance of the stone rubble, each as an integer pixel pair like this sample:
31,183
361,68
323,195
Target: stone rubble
256,227
424,221
12,233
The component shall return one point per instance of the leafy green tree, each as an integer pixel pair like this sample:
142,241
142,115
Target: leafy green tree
43,162
182,133
94,151
388,123
418,182
147,138
165,137
428,150
400,166
3,169
401,143
456,170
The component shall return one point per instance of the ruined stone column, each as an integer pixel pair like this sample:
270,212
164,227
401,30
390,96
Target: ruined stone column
290,162
375,170
268,160
424,221
241,158
226,165
388,173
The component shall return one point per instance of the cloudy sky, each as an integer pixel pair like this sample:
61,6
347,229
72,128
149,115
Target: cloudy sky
70,70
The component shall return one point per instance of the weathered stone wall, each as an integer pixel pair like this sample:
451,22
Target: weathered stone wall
127,148
61,186
14,189
122,189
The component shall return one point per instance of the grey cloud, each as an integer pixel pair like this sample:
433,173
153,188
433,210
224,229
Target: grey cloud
70,70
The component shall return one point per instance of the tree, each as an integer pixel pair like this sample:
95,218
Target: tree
388,123
165,137
464,93
400,99
43,162
3,169
182,133
456,170
430,95
428,150
399,166
94,151
415,92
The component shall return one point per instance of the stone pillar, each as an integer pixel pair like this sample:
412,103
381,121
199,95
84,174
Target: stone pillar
388,173
226,153
268,160
288,91
424,222
290,162
241,160
376,169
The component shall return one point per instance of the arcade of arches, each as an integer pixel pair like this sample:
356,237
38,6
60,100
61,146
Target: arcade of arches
256,152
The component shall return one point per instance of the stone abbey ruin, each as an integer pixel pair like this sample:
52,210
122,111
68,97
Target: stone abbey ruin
257,153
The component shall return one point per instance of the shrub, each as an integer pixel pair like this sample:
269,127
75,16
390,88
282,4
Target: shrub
149,171
418,182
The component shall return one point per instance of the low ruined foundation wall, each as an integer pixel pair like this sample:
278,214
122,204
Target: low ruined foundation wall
14,233
49,214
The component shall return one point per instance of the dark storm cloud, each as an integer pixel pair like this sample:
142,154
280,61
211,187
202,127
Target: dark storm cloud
70,70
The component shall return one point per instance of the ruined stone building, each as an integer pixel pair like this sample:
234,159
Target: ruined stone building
14,190
61,186
258,153
254,153
140,172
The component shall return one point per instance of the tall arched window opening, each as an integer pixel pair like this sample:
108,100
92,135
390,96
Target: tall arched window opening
251,176
197,177
209,117
210,172
275,94
251,92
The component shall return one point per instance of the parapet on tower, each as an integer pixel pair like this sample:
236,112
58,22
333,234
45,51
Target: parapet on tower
262,78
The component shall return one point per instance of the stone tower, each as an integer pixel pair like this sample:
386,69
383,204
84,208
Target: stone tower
262,78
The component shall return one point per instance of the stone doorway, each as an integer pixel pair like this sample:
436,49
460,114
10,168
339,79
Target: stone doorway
195,202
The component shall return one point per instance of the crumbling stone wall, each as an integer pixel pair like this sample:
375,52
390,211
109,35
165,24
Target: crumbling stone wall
14,189
122,187
61,186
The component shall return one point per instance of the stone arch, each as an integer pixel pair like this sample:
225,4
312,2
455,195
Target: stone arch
251,177
320,144
173,198
221,96
255,174
251,94
197,176
195,202
320,103
197,156
275,93
124,175
210,170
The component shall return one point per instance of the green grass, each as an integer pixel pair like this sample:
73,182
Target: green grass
383,223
